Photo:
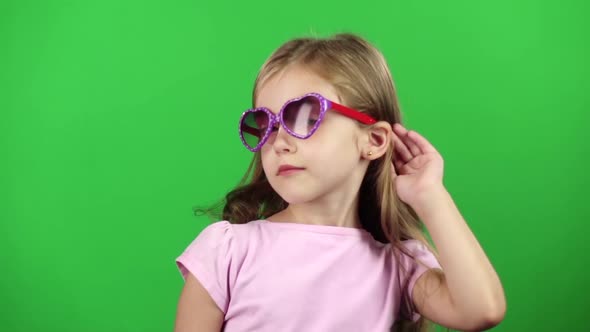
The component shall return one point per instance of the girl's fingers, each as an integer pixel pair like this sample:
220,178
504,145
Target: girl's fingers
403,134
421,142
416,142
400,149
398,166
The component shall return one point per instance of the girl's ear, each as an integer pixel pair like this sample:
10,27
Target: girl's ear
379,138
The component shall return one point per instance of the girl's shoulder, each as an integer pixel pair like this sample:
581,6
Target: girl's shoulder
219,241
229,228
224,231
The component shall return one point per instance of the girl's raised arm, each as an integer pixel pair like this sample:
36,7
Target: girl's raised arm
468,295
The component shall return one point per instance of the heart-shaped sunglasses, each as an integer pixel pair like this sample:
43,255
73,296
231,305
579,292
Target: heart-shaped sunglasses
300,117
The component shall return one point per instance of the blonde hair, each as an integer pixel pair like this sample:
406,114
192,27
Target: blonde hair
361,77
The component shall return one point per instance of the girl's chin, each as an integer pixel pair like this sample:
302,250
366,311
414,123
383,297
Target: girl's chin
294,199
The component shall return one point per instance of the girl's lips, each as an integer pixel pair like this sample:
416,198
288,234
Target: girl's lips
289,171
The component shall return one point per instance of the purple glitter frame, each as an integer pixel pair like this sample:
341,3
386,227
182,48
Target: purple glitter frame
325,105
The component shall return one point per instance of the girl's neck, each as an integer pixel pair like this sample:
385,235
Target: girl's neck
304,214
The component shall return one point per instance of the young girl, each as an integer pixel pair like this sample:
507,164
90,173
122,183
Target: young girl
325,232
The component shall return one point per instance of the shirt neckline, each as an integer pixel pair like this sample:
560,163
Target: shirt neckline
326,229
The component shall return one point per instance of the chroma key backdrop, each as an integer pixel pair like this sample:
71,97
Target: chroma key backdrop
118,117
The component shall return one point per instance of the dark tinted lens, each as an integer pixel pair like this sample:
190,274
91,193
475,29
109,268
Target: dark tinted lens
301,116
253,127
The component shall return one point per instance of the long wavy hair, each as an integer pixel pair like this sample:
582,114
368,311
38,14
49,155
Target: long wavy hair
362,79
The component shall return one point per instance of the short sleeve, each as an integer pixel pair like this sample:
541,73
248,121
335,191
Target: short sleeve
209,259
423,260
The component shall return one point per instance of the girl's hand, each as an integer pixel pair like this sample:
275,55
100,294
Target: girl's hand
417,167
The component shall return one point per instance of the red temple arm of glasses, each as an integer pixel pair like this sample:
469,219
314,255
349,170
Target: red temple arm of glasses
351,113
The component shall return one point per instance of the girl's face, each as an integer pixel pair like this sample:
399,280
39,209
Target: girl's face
329,160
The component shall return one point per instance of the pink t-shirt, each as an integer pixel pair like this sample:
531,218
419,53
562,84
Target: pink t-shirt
271,276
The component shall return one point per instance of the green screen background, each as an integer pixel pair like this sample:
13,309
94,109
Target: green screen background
117,117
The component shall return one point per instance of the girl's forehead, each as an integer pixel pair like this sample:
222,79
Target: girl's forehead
289,84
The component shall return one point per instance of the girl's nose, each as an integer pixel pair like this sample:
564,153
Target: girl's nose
282,141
